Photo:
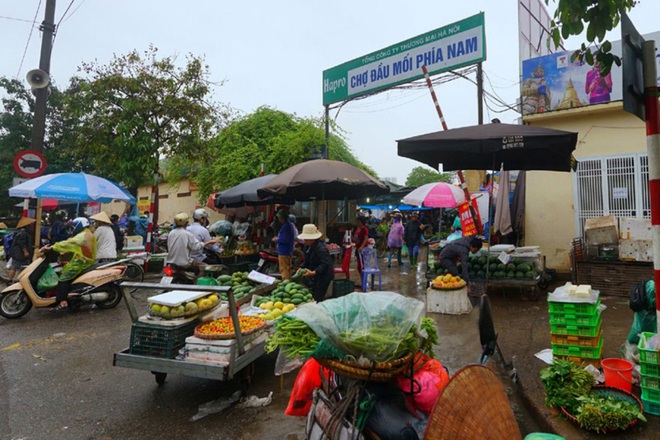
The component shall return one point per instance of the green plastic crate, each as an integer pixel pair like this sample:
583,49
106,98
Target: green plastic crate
159,340
650,394
651,382
650,369
576,350
571,319
581,341
576,330
651,407
647,355
573,308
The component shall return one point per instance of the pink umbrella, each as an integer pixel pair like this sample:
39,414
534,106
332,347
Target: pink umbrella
436,195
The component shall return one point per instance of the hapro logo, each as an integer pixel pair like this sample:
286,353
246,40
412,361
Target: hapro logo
332,86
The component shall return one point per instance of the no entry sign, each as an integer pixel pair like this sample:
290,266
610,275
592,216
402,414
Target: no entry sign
29,163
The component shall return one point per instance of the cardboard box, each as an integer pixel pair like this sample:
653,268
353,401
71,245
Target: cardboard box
636,250
601,230
635,229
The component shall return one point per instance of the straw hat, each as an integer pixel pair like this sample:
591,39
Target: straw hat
310,232
25,221
474,404
101,217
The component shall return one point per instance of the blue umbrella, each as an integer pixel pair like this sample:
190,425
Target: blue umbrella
75,187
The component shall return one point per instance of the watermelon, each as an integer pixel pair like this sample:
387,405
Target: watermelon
520,274
523,267
530,274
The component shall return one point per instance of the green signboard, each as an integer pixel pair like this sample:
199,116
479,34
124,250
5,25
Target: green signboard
449,47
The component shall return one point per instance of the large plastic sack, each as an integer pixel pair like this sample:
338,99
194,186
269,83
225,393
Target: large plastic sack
239,228
307,380
367,326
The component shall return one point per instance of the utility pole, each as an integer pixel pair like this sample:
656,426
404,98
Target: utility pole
41,94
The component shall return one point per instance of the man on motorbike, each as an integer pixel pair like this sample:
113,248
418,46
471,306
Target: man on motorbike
83,247
58,230
182,243
198,229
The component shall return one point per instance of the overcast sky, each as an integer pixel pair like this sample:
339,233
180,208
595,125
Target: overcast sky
273,53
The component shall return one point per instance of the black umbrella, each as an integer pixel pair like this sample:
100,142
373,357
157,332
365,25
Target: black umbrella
323,179
485,147
244,194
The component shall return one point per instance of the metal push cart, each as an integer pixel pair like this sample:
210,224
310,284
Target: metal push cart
240,358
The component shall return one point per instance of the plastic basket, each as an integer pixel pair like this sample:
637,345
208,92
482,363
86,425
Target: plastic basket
581,341
571,319
651,407
159,340
341,287
576,350
582,361
576,330
651,394
650,369
650,382
647,355
573,308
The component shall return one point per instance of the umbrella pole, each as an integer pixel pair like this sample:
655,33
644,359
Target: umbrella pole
37,230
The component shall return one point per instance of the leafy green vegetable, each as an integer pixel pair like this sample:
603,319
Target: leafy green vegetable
564,382
603,414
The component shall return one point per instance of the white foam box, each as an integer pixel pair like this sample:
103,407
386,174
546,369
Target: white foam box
601,230
636,250
220,351
449,302
635,229
132,241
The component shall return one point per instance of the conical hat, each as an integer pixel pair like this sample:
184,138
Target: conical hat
3,225
25,221
101,217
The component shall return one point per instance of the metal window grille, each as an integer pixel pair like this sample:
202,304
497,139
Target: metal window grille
612,185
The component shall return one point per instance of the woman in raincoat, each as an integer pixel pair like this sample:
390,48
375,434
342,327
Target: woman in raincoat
83,247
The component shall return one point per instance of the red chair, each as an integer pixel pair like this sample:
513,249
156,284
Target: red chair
345,264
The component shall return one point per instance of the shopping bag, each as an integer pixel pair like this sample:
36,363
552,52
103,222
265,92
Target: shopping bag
404,251
48,280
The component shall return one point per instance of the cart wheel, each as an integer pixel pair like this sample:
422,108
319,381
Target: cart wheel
160,377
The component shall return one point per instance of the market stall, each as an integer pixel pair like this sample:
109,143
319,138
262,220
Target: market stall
500,266
158,336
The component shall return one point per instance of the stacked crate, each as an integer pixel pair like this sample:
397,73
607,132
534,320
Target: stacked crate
649,361
576,332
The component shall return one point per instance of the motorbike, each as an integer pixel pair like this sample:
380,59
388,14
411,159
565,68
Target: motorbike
97,285
174,274
269,264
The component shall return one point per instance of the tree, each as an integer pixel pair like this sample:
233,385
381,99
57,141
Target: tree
276,139
16,116
139,109
420,176
599,16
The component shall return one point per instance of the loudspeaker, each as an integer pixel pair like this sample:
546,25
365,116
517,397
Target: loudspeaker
37,78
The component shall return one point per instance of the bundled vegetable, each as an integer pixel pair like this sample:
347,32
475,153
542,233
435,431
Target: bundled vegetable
293,337
564,382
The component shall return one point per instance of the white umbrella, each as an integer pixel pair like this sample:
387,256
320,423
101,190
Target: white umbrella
75,187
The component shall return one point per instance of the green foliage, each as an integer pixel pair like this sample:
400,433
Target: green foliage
16,116
598,16
564,382
420,176
271,137
139,108
604,414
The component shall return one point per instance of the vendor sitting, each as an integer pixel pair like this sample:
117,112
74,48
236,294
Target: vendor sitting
459,250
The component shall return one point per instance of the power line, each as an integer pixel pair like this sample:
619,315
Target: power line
34,20
16,19
64,15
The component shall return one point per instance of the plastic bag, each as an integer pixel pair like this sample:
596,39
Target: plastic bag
351,322
48,280
404,251
307,380
429,379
